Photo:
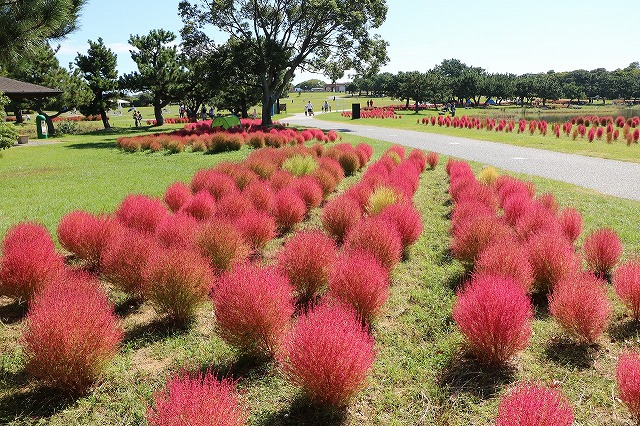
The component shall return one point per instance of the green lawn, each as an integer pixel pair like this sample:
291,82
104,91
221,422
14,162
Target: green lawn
617,150
419,375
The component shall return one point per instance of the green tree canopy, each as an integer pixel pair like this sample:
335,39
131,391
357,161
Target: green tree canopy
159,70
98,68
284,35
28,24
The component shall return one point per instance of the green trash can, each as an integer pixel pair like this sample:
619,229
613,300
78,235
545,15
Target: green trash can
41,127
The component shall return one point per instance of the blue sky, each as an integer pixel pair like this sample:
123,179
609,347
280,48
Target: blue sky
498,35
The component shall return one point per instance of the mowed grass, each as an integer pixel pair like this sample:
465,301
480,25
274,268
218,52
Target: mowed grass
421,375
617,150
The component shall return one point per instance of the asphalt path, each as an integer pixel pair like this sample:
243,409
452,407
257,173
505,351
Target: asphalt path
617,178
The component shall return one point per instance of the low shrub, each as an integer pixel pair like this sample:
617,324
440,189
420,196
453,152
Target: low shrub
29,262
328,354
260,194
300,165
628,380
350,162
339,216
380,198
221,243
306,259
626,282
407,221
176,195
580,305
309,190
571,223
289,209
85,235
602,250
376,236
471,237
357,278
507,259
201,206
326,181
177,230
530,404
432,159
252,307
488,175
141,212
257,229
197,400
494,314
70,334
552,259
233,205
178,280
217,183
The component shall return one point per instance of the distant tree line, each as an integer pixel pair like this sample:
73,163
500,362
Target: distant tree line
453,80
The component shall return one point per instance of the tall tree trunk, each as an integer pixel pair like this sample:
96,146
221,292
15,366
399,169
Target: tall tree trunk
105,119
18,114
266,106
157,111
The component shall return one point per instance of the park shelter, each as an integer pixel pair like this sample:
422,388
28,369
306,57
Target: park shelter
16,90
226,121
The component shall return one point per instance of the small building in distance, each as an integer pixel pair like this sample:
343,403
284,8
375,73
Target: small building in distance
335,87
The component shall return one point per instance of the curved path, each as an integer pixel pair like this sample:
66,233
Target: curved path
612,177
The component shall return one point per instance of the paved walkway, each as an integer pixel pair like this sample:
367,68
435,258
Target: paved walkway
612,177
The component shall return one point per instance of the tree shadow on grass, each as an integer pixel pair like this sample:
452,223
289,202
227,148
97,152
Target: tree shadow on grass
465,374
92,145
13,313
127,306
565,352
157,330
29,402
302,412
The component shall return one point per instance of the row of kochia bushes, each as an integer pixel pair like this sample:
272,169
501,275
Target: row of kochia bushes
205,240
601,128
201,137
518,243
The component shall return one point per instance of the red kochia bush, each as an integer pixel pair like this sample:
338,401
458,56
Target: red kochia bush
432,159
530,404
29,262
628,378
602,250
197,400
552,259
176,195
626,282
579,303
141,212
177,230
507,259
378,237
328,354
571,223
339,216
217,183
257,229
85,235
473,235
252,307
178,281
260,194
358,278
407,221
221,242
306,259
309,190
494,314
288,209
201,206
125,257
70,334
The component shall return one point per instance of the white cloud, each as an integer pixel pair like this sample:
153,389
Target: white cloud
120,47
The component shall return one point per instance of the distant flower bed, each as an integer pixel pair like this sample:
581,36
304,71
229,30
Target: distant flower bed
171,121
95,117
201,137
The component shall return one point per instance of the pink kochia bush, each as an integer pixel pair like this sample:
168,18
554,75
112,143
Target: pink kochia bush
339,216
407,221
473,235
197,400
328,354
602,250
141,212
289,209
626,282
176,195
508,259
377,236
252,307
306,259
552,259
494,314
358,278
257,229
71,334
628,378
570,223
579,303
85,235
29,262
530,404
178,281
221,243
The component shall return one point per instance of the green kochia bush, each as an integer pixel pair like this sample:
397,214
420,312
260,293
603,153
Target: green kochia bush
300,165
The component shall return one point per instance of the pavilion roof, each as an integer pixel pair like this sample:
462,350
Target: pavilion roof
16,89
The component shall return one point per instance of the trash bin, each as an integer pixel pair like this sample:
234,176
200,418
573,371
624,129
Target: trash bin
41,127
355,111
22,139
